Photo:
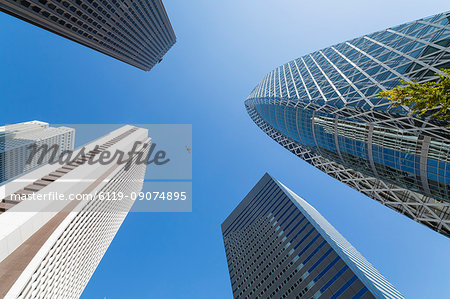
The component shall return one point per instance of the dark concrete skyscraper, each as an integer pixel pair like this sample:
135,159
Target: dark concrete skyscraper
324,107
278,246
134,31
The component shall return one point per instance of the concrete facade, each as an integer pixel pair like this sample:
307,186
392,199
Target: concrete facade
136,32
50,249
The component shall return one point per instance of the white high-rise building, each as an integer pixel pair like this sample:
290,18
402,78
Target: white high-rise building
17,142
51,247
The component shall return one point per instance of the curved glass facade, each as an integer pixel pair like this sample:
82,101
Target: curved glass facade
326,104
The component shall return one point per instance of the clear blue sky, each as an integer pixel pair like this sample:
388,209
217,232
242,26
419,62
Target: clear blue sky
224,48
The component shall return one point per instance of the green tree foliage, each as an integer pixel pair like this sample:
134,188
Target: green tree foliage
431,98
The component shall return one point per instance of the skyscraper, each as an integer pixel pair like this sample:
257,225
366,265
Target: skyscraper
278,246
136,32
17,141
60,219
324,107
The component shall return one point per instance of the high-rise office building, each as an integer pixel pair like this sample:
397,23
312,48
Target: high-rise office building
61,218
325,108
278,246
18,141
136,32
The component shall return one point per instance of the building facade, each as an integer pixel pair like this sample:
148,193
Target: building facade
17,141
325,108
133,31
52,246
278,246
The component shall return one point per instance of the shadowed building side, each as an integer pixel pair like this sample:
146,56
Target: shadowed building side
278,246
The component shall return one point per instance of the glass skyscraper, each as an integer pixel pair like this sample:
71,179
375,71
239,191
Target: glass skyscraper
325,108
278,246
